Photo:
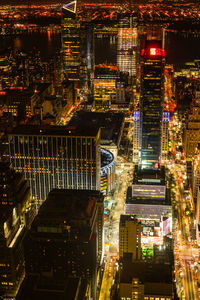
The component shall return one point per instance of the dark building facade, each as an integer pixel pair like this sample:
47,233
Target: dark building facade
66,239
130,236
16,212
15,192
111,124
56,157
151,103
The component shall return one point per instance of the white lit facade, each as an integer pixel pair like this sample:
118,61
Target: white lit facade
56,158
136,136
165,136
192,131
126,50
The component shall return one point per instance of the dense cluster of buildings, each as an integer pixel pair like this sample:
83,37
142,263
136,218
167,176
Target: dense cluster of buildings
16,215
61,130
67,170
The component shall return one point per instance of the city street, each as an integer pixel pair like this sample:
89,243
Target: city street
111,227
186,251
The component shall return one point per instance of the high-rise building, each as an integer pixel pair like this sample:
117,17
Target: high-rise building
18,101
197,217
65,240
16,212
15,190
148,280
130,236
5,70
71,42
148,198
151,103
111,124
192,130
56,157
165,136
127,50
12,269
104,86
136,135
196,175
77,51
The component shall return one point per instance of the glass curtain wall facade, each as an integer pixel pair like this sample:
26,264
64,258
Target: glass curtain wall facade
71,41
126,50
127,43
151,104
56,160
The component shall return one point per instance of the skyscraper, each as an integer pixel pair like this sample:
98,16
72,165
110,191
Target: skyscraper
192,130
71,42
16,212
130,236
136,136
127,50
196,177
165,135
56,157
66,240
104,86
15,192
151,103
77,50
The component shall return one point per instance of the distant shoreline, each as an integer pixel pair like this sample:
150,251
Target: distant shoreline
29,2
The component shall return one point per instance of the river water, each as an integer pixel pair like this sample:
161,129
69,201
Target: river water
179,47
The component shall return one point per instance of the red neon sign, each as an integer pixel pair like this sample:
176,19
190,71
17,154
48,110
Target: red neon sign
142,52
155,51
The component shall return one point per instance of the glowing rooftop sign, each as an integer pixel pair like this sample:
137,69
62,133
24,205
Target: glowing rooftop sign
71,6
153,52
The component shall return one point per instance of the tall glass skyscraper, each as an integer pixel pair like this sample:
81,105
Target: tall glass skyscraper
127,43
56,157
151,104
71,41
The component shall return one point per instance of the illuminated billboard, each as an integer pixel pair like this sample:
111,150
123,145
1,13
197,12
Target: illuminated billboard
148,191
167,226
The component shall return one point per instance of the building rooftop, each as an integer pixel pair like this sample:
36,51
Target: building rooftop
146,272
109,122
17,92
143,200
149,176
42,130
124,218
68,212
33,289
69,204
